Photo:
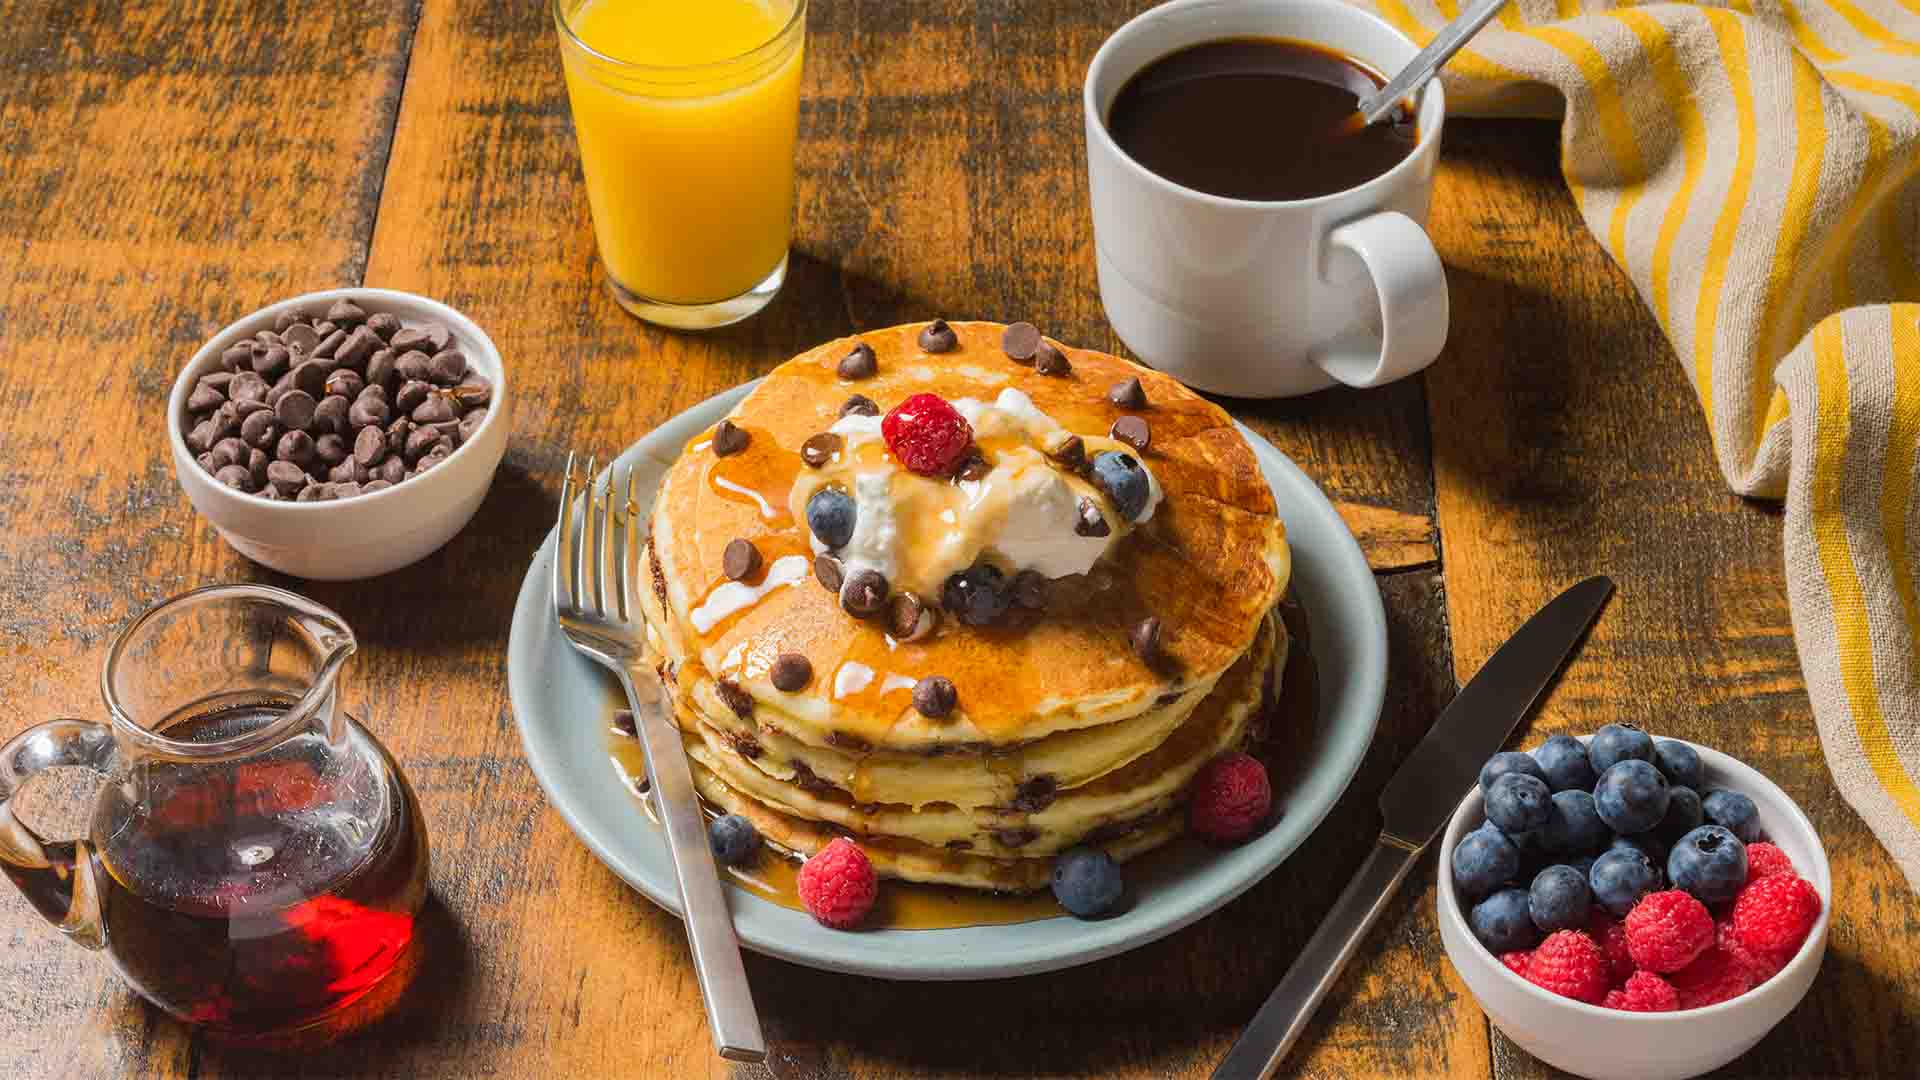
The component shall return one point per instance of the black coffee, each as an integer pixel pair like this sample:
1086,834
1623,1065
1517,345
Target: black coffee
1257,118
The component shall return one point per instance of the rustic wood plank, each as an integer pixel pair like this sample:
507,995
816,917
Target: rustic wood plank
169,167
1567,442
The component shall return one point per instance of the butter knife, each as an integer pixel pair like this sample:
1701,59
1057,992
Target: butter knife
1414,806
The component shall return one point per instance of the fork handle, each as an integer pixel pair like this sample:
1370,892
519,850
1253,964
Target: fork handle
716,952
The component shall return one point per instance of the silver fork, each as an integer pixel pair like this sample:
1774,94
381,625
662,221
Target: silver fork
596,579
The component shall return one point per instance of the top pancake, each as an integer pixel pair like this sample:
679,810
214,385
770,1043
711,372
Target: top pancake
1210,562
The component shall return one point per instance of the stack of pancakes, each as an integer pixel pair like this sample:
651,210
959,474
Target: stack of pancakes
1064,733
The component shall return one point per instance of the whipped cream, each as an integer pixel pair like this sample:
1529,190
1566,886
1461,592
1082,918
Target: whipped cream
918,531
732,597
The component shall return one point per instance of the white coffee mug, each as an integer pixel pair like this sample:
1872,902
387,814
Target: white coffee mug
1266,299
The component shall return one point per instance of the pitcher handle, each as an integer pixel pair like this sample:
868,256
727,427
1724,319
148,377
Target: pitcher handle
56,877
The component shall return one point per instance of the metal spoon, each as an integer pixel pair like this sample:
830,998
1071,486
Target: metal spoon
1451,38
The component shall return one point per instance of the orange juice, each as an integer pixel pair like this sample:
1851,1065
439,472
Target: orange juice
686,112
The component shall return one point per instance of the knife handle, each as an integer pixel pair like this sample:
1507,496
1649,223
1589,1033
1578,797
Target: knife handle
1280,1021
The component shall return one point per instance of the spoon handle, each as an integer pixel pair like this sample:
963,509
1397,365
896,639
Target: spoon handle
1448,41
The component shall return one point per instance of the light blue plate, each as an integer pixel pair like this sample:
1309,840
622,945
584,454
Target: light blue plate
560,701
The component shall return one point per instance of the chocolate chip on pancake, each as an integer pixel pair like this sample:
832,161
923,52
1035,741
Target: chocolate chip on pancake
909,618
864,592
973,466
790,672
1036,793
1133,431
934,697
819,449
860,405
740,560
860,363
735,698
828,572
1048,360
1128,393
728,438
847,740
938,337
1092,522
1146,638
1070,452
1020,342
1016,838
1030,589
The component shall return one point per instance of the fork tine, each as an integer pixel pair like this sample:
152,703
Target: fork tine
630,595
586,573
564,581
617,525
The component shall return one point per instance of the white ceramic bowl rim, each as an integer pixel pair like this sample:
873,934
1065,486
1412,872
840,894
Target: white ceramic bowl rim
1742,778
464,328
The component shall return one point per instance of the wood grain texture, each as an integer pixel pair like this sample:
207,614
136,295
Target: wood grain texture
159,183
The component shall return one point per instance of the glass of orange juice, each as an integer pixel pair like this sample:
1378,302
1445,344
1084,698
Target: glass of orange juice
686,112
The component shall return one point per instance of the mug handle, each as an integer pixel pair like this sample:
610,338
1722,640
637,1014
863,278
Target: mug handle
1412,287
56,877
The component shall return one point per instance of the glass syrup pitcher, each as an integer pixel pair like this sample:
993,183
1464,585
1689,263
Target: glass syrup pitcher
256,860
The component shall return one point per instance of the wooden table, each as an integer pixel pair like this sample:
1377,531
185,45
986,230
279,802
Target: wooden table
172,166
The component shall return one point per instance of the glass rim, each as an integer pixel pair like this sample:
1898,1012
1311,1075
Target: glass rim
683,71
325,681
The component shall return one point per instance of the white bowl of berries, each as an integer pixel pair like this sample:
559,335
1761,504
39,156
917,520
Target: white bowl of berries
1624,906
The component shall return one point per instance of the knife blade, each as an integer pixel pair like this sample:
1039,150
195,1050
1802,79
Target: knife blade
1414,806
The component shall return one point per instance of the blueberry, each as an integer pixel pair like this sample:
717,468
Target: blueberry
1684,814
734,839
1573,825
1710,863
1620,877
1733,812
1616,743
1564,764
1086,881
1509,761
830,514
977,595
1517,802
1632,796
1503,923
1124,481
1647,843
1679,761
1483,861
1559,899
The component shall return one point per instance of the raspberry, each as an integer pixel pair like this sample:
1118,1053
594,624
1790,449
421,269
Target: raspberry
1773,915
837,884
1516,961
1229,799
1758,967
1569,964
1611,934
1710,980
1765,860
1667,930
1645,992
927,434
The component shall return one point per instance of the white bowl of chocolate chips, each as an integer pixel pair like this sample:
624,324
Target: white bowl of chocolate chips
341,434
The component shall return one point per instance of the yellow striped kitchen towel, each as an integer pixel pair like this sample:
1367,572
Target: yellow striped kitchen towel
1755,168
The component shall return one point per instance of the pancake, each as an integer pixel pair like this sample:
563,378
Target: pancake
1209,563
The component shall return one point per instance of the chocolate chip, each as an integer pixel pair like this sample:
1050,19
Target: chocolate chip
219,380
380,368
229,451
420,443
286,319
384,323
235,476
1128,393
346,313
331,415
286,477
204,399
411,395
1030,589
447,368
341,472
438,408
247,386
370,446
470,423
740,559
1092,522
347,383
372,486
1070,452
790,672
360,345
934,697
260,429
735,698
729,438
330,449
1048,360
860,405
393,470
329,345
294,447
938,337
828,572
240,410
973,466
414,366
864,592
846,740
819,449
1146,638
438,336
1133,431
273,363
1020,342
860,363
257,461
909,618
237,358
301,336
1035,794
369,410
311,378
323,327
397,433
200,439
295,410
408,338
315,492
473,390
